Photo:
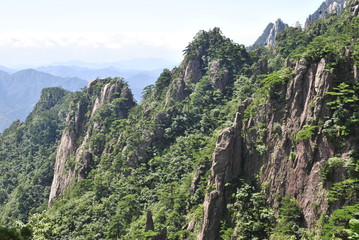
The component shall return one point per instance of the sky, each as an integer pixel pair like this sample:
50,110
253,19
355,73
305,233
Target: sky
45,32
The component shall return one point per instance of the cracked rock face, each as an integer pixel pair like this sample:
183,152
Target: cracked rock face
277,28
74,156
288,167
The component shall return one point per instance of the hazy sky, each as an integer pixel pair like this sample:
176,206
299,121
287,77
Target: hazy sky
41,32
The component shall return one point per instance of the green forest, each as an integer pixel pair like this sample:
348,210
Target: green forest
152,170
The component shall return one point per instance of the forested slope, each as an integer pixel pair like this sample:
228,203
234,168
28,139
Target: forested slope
231,144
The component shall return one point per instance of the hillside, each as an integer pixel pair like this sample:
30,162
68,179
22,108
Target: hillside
231,144
21,90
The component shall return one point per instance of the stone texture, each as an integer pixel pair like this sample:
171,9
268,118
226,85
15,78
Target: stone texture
74,156
277,28
218,75
287,166
270,32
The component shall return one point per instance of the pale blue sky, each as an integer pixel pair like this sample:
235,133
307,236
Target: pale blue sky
40,32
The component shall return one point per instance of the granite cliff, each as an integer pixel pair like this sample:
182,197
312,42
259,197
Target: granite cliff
288,166
75,153
231,144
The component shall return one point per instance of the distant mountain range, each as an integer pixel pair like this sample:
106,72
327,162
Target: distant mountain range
20,91
137,79
139,64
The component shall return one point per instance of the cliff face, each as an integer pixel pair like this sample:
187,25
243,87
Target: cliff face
75,153
288,166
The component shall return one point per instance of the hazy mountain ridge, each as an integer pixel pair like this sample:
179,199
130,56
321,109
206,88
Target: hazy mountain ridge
137,79
21,90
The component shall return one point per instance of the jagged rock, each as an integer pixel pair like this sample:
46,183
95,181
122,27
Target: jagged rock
354,8
195,181
297,25
227,164
263,38
277,28
270,32
74,155
292,169
176,91
191,225
329,7
193,70
149,222
218,75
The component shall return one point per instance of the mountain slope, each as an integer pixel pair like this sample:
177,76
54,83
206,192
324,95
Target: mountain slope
220,147
27,157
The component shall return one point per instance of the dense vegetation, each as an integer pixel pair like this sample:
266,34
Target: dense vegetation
151,164
27,158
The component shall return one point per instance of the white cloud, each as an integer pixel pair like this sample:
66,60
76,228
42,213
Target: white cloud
169,40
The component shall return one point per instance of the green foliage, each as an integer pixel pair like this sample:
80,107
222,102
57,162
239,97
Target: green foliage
306,133
346,191
248,211
162,83
331,48
27,158
288,221
345,118
342,224
292,41
156,156
271,89
22,233
331,166
217,47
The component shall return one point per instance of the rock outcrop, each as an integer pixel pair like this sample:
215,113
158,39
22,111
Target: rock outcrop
75,154
327,8
207,56
270,32
354,8
288,167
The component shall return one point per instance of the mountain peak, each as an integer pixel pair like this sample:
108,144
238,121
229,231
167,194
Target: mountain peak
270,32
327,8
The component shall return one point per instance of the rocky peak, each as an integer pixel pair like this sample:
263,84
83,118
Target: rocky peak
277,28
49,98
74,155
210,54
327,8
270,32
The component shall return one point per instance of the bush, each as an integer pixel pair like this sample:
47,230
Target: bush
306,133
330,166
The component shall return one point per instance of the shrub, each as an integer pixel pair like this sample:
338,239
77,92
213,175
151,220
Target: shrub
330,166
306,133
